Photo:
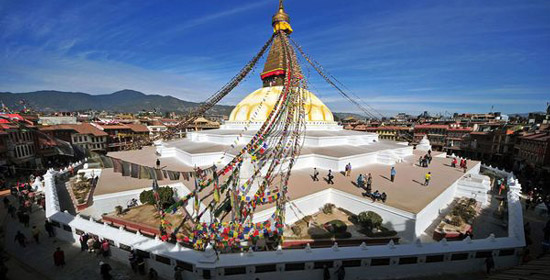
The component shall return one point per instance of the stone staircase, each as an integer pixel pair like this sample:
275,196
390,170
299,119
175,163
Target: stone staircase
474,186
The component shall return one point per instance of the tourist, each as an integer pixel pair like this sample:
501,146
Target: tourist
348,169
427,178
465,166
383,197
105,248
315,174
178,274
21,239
153,275
90,244
158,163
420,161
375,195
11,211
105,270
369,183
330,177
26,219
454,162
489,263
83,239
360,181
132,258
392,173
326,273
49,228
36,234
59,257
141,265
340,273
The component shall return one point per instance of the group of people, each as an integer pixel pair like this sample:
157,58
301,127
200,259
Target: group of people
425,160
463,164
92,244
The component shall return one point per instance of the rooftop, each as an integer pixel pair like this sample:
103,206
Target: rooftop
406,193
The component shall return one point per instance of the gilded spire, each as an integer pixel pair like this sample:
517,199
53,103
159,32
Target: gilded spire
281,20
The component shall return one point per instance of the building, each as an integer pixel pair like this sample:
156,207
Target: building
437,134
58,118
19,142
123,136
455,136
395,133
533,149
84,135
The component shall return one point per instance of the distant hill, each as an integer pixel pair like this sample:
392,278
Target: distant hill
120,101
341,115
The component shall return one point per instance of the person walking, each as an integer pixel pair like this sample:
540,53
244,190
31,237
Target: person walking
26,219
315,174
427,178
465,166
489,263
177,274
340,273
83,239
21,239
36,234
49,228
158,163
326,273
59,257
105,248
369,183
330,177
392,173
348,169
453,163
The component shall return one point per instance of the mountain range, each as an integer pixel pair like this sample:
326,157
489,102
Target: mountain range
126,100
121,101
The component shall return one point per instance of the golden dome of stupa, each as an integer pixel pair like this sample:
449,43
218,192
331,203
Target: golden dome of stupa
251,108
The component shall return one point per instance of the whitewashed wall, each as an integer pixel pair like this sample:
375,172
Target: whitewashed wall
203,262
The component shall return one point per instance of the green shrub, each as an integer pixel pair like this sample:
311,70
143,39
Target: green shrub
369,220
165,194
336,226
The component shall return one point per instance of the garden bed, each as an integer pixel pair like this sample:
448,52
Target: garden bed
458,223
333,224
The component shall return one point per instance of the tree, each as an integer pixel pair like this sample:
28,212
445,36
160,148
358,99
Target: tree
369,220
165,193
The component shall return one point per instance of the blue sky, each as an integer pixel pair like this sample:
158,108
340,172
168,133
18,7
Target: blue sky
398,56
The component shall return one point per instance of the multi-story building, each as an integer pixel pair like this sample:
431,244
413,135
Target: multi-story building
455,136
534,149
436,133
395,133
83,135
18,141
123,136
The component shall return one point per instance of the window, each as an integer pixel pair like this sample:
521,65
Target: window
408,260
234,270
351,263
162,259
459,257
185,266
266,268
320,265
506,252
483,254
125,247
435,258
294,266
378,262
